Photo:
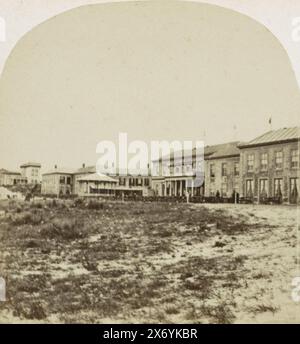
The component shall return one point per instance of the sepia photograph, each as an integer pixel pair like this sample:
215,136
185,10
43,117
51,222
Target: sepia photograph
149,164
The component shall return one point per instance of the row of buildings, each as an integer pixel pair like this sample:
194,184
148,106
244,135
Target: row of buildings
85,181
265,168
29,173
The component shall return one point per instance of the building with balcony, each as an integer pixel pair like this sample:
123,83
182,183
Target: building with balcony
182,174
62,181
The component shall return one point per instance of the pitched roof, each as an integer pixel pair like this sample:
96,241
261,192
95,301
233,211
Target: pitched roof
61,170
97,177
225,150
4,171
31,164
275,136
218,150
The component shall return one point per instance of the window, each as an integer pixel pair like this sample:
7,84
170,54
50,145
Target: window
165,169
156,169
250,162
62,180
294,158
294,190
278,187
264,161
133,181
249,187
139,181
177,170
122,181
263,187
212,172
224,169
236,168
146,181
69,180
224,189
278,160
187,168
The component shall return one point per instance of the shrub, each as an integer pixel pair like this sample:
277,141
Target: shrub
78,202
33,310
95,205
26,218
172,309
53,203
36,205
64,228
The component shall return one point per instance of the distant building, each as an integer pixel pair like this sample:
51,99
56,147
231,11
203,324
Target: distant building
174,175
31,171
8,178
131,185
182,175
264,169
80,182
96,184
270,166
59,181
81,172
222,171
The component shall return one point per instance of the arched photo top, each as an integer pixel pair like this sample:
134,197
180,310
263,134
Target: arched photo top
156,70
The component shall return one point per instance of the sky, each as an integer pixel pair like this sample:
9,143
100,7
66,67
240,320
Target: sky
160,70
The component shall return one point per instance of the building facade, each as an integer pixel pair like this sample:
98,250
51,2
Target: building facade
77,182
9,178
96,184
59,181
222,171
133,185
178,175
32,172
263,169
183,172
270,167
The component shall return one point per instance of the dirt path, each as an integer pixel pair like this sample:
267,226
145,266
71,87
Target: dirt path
271,264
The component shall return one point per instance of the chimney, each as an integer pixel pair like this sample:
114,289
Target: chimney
83,165
55,167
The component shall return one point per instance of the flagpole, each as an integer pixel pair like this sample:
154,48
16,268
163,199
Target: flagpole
270,123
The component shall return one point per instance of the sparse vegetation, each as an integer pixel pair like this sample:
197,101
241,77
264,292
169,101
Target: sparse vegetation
88,260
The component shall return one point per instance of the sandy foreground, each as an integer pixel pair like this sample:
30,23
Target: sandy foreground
272,253
136,262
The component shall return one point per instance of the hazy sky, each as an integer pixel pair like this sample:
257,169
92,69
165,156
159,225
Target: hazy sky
159,70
